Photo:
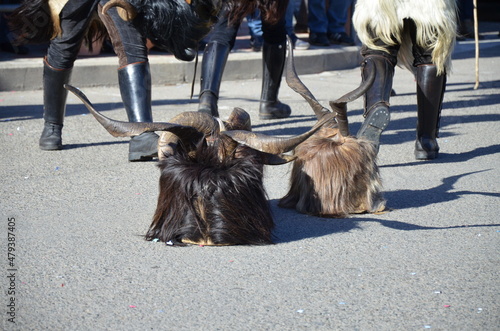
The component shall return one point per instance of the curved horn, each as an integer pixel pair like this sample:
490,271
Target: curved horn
276,145
205,125
129,129
294,82
126,11
203,122
239,119
339,106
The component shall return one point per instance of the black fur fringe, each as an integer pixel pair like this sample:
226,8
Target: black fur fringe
204,199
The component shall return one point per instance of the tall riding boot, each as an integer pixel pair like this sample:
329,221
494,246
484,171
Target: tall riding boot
430,92
135,88
54,104
212,67
376,108
273,64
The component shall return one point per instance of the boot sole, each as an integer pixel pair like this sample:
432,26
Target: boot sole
376,122
264,116
51,147
425,155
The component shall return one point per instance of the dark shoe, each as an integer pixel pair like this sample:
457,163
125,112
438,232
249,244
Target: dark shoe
273,109
318,39
143,147
426,149
51,140
340,38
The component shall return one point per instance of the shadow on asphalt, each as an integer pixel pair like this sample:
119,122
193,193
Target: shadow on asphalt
451,157
404,199
291,226
104,143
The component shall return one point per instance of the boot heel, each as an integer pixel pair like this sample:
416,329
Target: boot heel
428,149
272,110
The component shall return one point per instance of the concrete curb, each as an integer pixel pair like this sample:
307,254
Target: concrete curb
21,74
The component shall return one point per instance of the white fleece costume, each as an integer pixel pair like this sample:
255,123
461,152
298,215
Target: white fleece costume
385,20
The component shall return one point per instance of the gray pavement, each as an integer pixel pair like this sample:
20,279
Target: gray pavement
430,263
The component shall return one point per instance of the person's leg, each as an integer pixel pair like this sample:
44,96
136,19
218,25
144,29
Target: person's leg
255,29
213,63
289,15
376,99
318,24
337,18
134,79
57,68
273,63
430,93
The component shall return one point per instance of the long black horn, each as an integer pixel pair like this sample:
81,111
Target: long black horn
294,82
129,129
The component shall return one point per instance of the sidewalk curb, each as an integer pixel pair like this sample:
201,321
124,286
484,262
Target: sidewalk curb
21,74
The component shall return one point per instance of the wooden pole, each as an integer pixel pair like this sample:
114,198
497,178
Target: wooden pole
476,39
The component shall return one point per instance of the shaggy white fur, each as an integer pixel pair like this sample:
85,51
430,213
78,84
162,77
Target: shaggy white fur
436,22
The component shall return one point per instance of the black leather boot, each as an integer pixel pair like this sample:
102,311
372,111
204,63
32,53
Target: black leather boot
273,62
430,92
212,67
376,108
54,106
135,88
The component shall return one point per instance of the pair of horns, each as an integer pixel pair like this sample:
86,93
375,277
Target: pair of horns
339,106
192,126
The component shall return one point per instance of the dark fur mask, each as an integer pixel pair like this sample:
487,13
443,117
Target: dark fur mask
205,200
175,25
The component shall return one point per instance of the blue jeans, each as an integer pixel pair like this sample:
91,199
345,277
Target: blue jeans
289,15
332,21
255,25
